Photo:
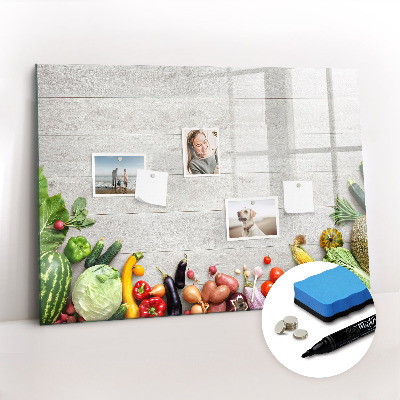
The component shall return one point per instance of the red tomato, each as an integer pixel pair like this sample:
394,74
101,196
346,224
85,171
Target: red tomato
267,260
265,287
275,273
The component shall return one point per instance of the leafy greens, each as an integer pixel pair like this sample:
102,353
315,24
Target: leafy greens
344,257
80,220
52,209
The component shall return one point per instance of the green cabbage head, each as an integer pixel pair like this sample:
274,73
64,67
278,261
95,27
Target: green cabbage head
97,293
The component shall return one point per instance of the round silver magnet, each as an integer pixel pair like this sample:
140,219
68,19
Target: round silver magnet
280,327
300,333
291,322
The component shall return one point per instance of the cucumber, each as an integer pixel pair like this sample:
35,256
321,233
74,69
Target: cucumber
95,254
357,193
110,253
120,313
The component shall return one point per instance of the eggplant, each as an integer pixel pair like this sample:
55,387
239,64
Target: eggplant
174,305
180,273
236,302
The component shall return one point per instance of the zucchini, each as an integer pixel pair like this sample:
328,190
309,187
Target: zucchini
120,313
357,193
95,254
110,253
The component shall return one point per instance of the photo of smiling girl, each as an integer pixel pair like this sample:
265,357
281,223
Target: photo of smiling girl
200,152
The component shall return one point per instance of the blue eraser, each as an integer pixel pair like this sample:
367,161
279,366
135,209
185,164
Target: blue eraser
332,294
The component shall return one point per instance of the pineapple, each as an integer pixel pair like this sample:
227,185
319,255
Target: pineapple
344,212
300,255
359,242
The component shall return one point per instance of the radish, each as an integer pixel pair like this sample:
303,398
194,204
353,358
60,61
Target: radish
63,317
190,275
81,319
59,225
71,319
212,270
187,312
70,310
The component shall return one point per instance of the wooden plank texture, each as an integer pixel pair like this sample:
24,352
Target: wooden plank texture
69,156
211,192
154,81
88,116
183,231
275,124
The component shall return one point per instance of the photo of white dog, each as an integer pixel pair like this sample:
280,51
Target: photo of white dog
255,218
246,216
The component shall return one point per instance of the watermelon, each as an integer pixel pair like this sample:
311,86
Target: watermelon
55,285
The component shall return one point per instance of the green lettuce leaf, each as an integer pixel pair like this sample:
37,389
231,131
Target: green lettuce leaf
50,211
79,205
87,222
43,191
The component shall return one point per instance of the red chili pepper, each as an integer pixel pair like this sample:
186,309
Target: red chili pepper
141,290
154,307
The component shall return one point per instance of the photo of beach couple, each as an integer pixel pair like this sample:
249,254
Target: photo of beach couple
115,174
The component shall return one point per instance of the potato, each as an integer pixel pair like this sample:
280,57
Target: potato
217,307
219,294
230,281
208,287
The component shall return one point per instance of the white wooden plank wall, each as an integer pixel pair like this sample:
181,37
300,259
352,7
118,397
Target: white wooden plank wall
275,124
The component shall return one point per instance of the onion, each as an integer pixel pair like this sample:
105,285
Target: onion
196,309
192,294
158,291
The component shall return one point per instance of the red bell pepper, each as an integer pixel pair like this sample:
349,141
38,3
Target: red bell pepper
141,290
154,307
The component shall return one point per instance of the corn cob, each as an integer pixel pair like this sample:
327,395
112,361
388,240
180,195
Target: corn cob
300,255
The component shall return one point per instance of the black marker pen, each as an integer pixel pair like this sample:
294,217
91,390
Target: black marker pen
344,336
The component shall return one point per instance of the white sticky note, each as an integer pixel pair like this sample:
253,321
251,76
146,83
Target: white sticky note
298,196
151,187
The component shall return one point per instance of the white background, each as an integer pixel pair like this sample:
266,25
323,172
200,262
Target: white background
288,350
219,355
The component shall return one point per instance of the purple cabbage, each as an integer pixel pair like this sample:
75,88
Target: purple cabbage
236,302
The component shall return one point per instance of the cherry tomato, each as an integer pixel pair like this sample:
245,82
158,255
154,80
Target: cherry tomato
265,287
275,273
267,260
138,270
